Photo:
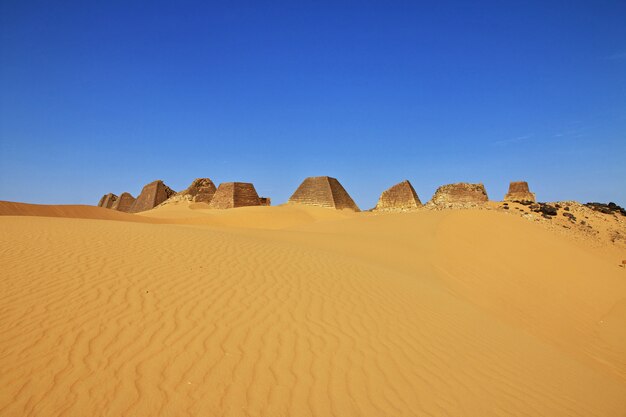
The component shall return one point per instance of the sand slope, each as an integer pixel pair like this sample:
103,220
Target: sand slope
306,313
9,208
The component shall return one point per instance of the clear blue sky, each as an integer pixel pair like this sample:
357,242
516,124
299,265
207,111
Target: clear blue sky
106,96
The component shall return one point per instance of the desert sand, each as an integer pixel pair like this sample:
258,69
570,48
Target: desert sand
305,311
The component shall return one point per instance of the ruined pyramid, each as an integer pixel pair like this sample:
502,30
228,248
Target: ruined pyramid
461,193
323,192
519,191
107,200
401,196
201,190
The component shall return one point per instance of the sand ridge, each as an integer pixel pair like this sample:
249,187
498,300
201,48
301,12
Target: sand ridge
275,311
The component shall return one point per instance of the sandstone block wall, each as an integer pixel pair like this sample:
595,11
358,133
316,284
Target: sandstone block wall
235,194
519,191
460,193
124,202
265,201
151,196
323,192
401,196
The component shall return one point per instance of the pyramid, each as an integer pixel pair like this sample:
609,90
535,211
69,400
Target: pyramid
151,196
124,202
233,195
460,193
107,200
201,190
519,191
401,196
323,192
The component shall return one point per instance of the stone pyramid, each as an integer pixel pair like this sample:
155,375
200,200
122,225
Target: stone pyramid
323,192
235,194
151,196
201,190
519,191
460,193
401,196
124,202
107,200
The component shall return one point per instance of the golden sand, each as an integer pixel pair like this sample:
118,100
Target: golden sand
301,311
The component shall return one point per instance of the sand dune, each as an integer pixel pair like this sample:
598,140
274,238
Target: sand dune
284,311
8,208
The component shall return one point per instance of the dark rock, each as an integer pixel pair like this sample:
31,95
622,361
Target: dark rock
570,216
610,208
548,209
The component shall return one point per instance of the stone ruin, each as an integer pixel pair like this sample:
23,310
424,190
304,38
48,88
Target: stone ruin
124,202
400,197
107,200
151,196
518,191
265,201
323,192
461,193
235,194
201,190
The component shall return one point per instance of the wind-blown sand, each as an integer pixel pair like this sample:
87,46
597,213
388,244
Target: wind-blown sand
300,311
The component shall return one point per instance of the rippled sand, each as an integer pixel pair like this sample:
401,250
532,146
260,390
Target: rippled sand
294,311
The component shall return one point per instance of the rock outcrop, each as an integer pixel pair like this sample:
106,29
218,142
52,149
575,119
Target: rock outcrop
151,196
235,194
107,200
610,208
323,192
400,197
519,191
460,194
124,202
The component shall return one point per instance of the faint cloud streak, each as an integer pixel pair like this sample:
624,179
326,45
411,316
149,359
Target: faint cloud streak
616,56
511,141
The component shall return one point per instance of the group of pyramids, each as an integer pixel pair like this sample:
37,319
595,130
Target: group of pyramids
314,191
201,190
